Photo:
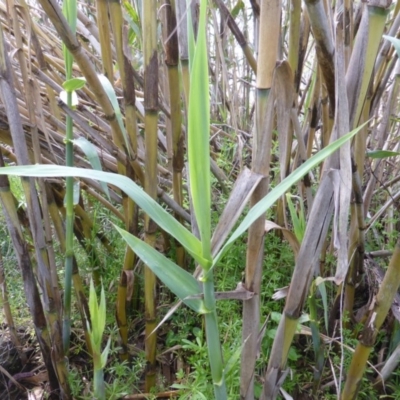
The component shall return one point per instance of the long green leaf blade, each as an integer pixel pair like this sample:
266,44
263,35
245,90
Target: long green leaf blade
167,222
382,153
264,204
108,88
179,281
198,137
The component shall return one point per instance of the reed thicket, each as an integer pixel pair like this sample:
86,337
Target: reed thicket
136,99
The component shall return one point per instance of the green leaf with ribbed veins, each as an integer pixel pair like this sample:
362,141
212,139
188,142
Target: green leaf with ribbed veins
199,136
167,222
178,281
269,200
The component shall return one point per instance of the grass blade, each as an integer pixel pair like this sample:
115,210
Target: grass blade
198,138
263,205
135,192
179,281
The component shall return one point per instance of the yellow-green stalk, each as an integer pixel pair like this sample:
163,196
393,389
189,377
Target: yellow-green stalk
172,63
128,90
150,186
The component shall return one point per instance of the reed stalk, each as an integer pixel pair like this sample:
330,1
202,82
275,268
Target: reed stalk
150,121
70,12
267,57
131,218
376,317
30,285
35,221
177,136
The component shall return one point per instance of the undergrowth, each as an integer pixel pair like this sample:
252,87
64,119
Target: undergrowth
183,334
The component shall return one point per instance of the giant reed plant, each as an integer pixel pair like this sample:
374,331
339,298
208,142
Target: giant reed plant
192,291
198,294
301,107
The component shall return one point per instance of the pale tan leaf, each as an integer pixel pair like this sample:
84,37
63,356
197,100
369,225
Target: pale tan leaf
289,235
244,186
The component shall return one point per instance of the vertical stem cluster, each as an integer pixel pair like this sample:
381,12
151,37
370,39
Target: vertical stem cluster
50,339
285,92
